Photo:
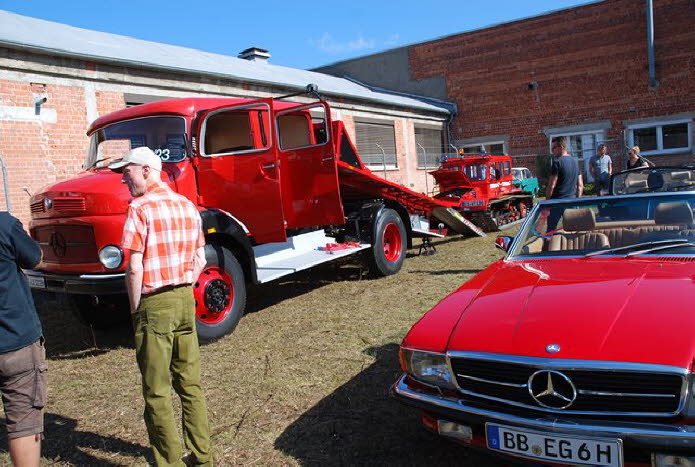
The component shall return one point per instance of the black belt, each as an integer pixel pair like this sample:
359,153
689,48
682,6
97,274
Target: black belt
166,288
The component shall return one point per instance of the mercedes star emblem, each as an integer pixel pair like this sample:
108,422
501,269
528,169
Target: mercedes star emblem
552,389
58,244
552,348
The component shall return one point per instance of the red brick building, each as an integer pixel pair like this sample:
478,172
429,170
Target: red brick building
580,72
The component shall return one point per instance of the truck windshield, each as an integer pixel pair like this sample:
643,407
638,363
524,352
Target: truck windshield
166,136
476,172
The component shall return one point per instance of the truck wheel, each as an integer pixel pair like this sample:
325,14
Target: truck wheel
220,294
388,249
101,311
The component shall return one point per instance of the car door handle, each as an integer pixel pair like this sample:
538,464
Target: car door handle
268,166
327,158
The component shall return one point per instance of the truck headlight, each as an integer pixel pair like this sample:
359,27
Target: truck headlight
428,367
111,256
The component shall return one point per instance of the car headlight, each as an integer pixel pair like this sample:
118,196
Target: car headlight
428,367
111,256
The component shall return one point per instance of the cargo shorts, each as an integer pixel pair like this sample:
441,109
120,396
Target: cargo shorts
23,384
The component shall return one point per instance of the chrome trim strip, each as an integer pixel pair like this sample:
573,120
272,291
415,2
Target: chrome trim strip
51,276
580,365
682,435
102,276
567,364
514,385
621,394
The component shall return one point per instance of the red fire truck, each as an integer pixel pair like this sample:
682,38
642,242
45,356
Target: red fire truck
279,186
480,187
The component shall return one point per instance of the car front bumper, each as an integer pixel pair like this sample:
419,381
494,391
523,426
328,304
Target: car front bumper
639,435
84,284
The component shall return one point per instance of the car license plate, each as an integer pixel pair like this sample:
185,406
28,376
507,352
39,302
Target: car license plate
36,282
551,447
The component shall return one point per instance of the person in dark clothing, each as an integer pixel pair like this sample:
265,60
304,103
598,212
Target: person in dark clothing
565,179
635,160
22,354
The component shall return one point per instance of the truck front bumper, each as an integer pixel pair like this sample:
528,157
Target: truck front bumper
84,284
638,435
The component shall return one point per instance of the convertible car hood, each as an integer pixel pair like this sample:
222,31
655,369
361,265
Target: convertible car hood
633,310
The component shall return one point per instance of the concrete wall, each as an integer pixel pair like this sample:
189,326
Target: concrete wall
42,148
388,70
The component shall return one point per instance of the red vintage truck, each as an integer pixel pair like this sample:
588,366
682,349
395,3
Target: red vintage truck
481,187
279,186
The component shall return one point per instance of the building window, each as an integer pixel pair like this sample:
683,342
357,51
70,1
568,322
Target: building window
429,144
376,144
662,137
581,145
488,147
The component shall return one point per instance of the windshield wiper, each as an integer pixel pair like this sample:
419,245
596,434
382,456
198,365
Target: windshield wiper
670,242
658,248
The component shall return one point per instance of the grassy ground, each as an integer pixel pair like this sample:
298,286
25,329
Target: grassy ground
302,381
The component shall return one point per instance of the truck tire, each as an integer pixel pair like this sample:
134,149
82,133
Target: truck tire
220,294
101,311
389,244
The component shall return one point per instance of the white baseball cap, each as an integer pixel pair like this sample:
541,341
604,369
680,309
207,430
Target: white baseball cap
138,156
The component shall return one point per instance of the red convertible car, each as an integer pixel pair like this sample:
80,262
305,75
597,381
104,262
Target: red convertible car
577,347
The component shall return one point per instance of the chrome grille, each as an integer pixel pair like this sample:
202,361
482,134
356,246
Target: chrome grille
610,388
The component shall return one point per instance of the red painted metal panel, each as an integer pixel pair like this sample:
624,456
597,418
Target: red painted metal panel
309,175
246,184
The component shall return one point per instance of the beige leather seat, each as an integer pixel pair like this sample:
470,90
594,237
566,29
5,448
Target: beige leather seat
580,224
670,219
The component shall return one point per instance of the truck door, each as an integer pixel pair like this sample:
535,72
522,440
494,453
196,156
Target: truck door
237,167
309,176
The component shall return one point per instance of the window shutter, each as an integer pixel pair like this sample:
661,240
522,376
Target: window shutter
432,141
368,136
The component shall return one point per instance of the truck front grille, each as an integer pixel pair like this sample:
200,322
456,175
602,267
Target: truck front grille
66,244
589,387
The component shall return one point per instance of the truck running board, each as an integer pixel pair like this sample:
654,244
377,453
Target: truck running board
275,260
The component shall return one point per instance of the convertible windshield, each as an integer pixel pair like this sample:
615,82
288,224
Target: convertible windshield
636,225
166,136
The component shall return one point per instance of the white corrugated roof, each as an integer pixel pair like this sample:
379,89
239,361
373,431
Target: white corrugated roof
60,39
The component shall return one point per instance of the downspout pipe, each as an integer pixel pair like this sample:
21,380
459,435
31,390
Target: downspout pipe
4,183
650,44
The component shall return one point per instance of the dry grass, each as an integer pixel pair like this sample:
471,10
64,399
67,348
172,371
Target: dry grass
303,379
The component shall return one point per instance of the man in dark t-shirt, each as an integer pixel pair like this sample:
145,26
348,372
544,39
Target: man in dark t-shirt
22,355
565,180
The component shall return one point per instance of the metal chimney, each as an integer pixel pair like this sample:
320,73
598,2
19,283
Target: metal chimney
255,54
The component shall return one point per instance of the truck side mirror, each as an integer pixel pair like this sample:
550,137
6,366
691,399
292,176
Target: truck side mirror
503,242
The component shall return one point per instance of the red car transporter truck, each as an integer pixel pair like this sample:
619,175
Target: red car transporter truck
279,186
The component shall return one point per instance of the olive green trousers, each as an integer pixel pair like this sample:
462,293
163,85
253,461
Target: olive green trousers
166,346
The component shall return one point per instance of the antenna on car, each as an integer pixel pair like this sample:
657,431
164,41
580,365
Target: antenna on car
310,89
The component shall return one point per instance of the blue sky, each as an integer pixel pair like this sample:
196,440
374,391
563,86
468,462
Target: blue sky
297,34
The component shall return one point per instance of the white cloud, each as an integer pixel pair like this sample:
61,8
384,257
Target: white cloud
329,45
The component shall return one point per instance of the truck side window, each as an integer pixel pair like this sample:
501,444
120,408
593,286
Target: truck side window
227,132
294,131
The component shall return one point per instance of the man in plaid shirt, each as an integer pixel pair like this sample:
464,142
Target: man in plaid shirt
163,233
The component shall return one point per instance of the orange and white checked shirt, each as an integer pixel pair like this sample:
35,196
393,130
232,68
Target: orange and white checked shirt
166,228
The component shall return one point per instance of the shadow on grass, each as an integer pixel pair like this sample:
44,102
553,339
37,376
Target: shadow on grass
359,424
67,338
65,443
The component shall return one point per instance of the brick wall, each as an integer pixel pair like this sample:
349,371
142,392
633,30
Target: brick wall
44,148
590,64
